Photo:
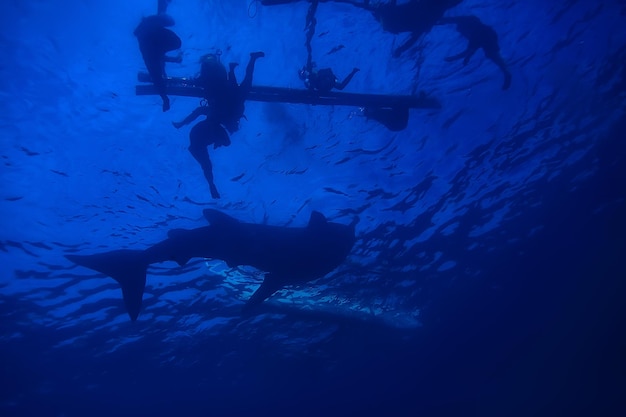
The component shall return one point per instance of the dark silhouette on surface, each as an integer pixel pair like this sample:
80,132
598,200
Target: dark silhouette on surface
479,36
324,79
213,76
393,118
232,104
223,108
289,255
221,90
417,17
155,40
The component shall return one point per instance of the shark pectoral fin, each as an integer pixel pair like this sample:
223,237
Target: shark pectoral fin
128,267
269,286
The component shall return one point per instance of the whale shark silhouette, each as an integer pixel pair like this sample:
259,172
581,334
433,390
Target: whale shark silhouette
289,255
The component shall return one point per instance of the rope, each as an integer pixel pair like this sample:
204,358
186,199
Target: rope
311,21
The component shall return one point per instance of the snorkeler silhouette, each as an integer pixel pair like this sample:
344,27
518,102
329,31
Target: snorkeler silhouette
223,107
221,90
417,17
155,40
479,36
324,79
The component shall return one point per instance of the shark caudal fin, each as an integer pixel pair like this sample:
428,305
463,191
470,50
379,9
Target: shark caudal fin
128,267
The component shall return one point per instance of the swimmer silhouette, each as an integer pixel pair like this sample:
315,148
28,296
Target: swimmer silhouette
479,36
223,107
416,16
155,40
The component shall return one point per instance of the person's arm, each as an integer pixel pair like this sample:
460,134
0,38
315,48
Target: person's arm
192,116
232,77
342,85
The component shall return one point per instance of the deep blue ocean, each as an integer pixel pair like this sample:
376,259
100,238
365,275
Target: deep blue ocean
488,274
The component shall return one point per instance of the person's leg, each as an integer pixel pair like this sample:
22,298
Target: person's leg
155,65
246,84
232,77
153,48
198,143
164,98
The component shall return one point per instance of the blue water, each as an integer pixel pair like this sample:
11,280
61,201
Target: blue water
488,274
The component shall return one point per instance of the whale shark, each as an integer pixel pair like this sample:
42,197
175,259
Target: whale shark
287,255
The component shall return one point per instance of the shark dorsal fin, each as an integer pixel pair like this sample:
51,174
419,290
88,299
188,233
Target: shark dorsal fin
317,219
217,217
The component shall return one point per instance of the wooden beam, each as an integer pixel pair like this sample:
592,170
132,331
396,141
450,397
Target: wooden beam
186,88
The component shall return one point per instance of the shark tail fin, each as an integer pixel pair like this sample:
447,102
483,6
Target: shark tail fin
128,267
